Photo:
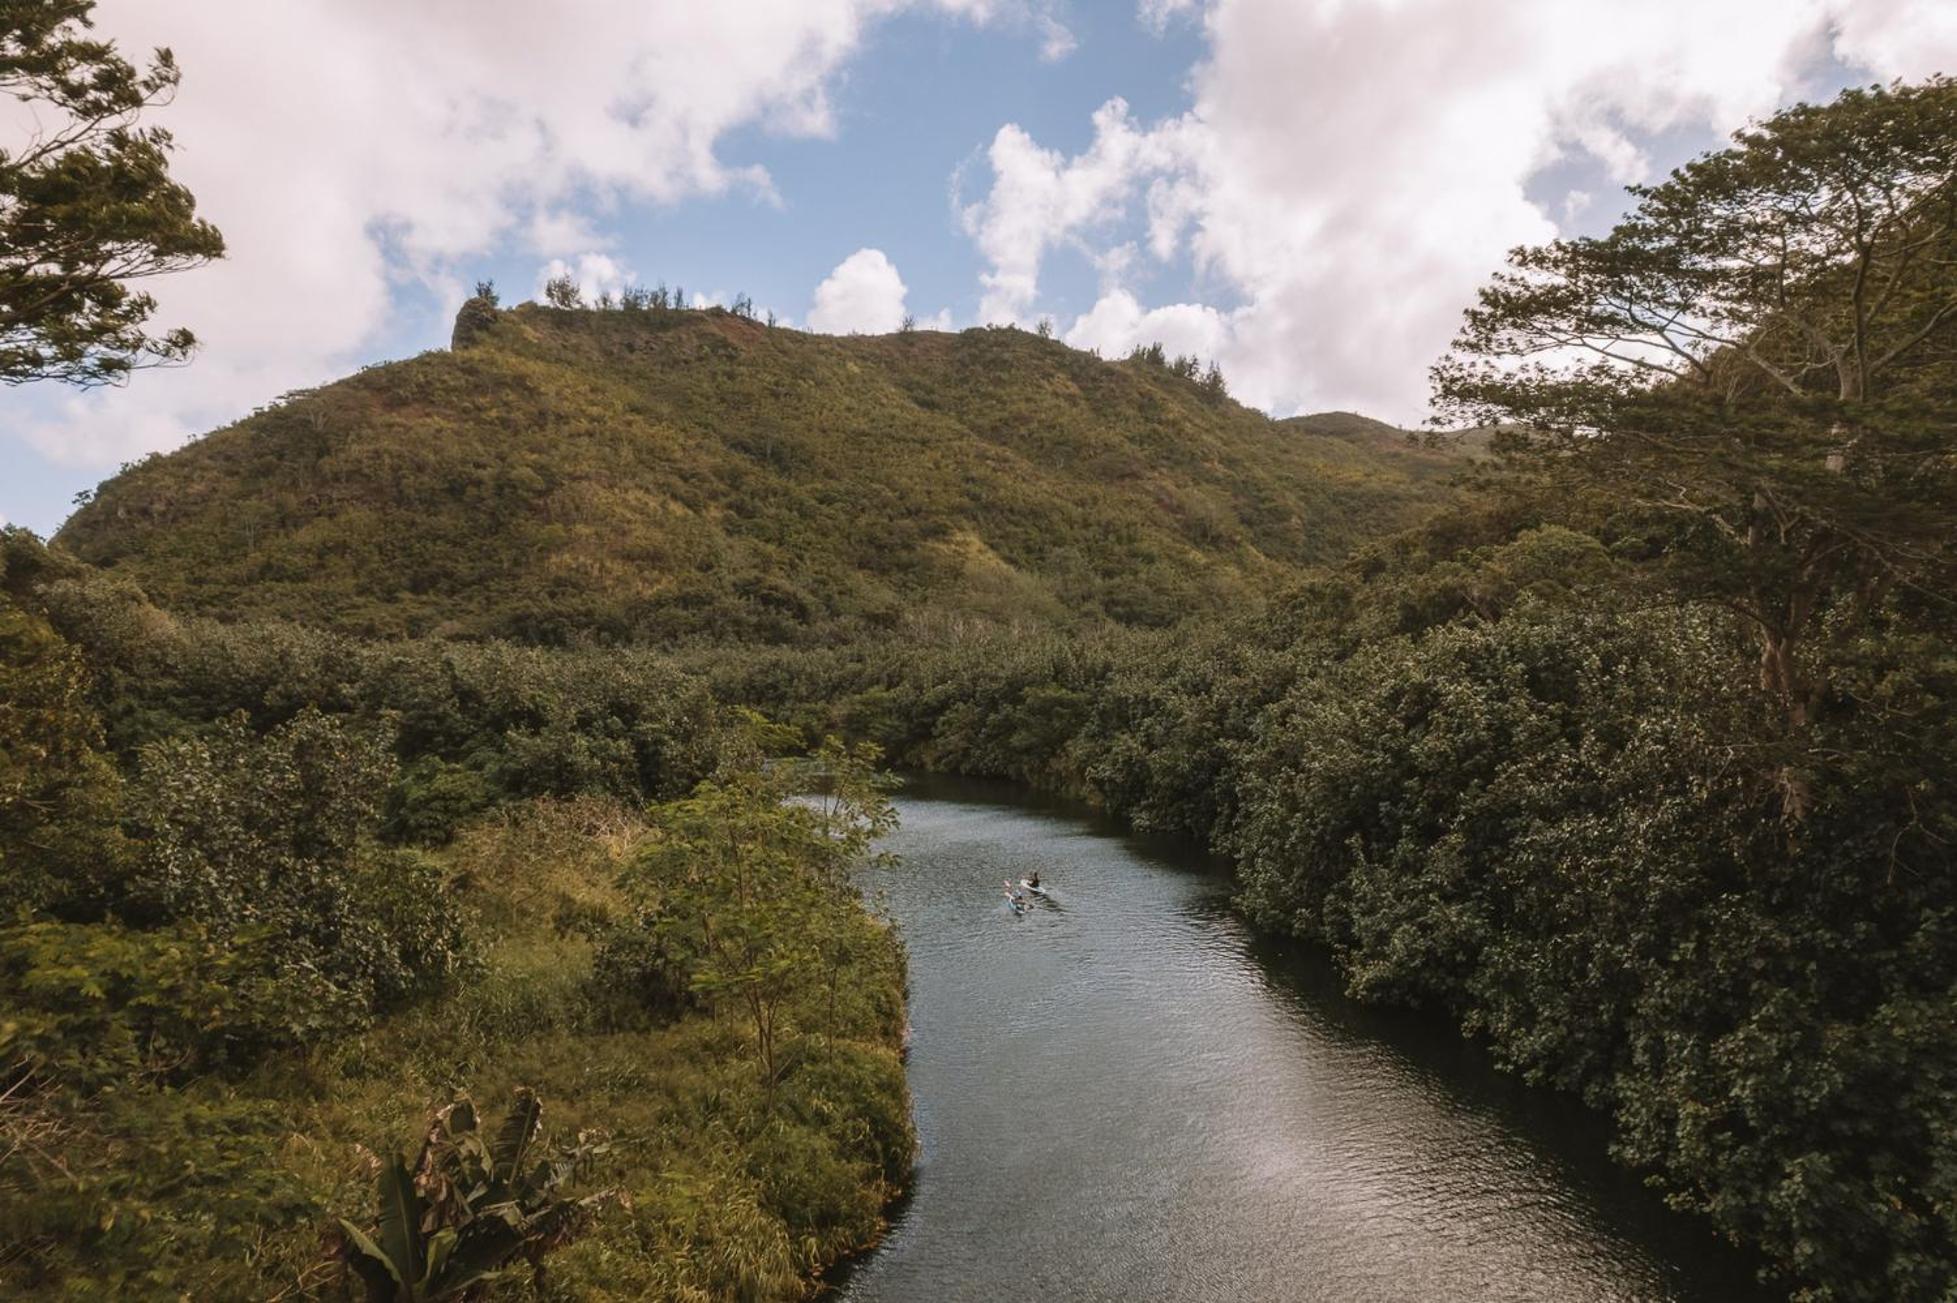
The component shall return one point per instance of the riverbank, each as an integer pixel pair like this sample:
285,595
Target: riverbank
1125,1093
1493,785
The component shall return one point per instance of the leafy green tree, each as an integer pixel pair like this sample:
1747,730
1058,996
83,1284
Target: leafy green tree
563,292
243,834
87,205
744,888
92,1004
735,902
59,795
1541,825
850,797
1749,381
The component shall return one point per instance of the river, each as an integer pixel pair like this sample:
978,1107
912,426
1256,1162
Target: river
1124,1095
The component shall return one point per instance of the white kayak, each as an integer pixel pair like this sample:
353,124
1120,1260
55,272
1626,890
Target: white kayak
1036,889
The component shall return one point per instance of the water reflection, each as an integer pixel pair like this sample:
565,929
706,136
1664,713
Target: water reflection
1123,1095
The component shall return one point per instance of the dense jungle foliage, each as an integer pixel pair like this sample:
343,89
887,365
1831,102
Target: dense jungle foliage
1504,787
1638,762
1642,765
271,900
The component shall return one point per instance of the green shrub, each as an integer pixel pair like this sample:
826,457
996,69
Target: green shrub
89,1005
153,1193
59,794
433,799
241,833
639,976
472,1204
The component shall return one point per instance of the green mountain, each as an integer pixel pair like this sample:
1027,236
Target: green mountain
663,476
1438,460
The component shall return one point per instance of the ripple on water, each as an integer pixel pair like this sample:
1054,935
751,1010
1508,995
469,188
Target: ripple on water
1120,1097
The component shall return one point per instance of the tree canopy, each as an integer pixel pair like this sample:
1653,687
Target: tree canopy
1748,381
87,204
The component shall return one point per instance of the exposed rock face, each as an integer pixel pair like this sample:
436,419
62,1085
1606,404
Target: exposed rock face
476,315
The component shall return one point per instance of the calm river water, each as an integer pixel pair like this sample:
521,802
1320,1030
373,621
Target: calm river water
1123,1095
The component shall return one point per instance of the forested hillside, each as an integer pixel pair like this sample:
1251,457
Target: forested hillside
435,730
1638,766
657,475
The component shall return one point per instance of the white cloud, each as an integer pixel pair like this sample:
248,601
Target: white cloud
353,148
1056,41
1040,198
1911,39
557,233
595,273
1155,14
864,294
1348,172
1118,323
1351,171
1114,264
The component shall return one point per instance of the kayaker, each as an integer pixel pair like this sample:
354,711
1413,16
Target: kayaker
1034,881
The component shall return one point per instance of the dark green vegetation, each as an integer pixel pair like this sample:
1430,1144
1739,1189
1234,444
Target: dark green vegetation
1638,761
1641,765
1503,787
456,1220
661,476
87,204
1644,768
270,899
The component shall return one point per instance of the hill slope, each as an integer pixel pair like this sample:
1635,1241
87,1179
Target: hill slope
1438,460
661,476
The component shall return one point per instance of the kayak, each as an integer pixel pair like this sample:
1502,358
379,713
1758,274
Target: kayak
1028,886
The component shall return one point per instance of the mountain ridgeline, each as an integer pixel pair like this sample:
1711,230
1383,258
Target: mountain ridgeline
1635,760
670,476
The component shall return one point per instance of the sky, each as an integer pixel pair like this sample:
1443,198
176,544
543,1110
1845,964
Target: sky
1307,192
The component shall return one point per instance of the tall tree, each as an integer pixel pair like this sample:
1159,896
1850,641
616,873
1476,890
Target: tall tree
87,204
1750,377
747,887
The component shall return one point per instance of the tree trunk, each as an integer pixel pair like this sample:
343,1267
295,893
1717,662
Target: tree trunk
1781,678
